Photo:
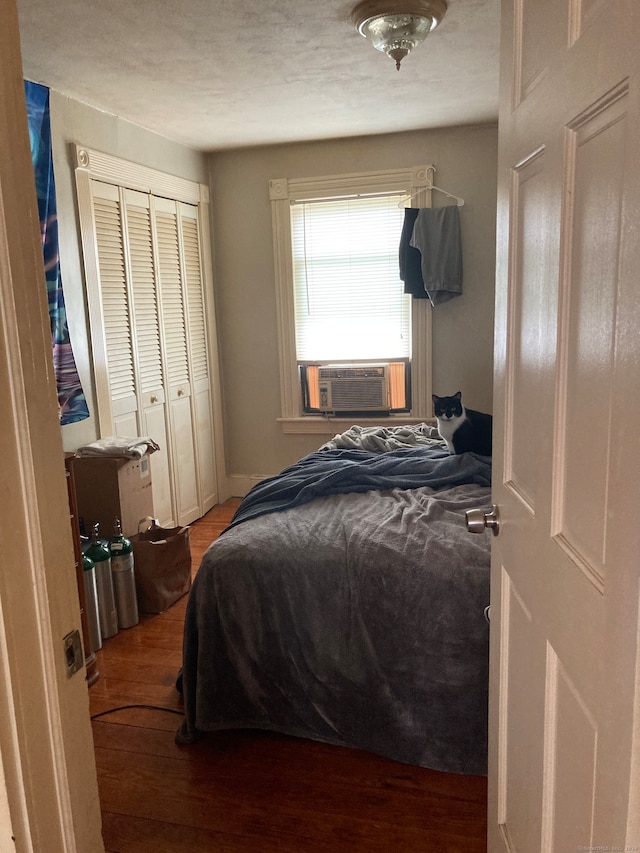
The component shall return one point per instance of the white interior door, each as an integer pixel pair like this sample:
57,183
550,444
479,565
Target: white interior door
564,721
176,359
199,361
48,787
148,349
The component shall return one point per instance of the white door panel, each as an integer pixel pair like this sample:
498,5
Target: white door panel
148,350
198,355
565,575
156,427
176,359
110,316
126,426
48,787
184,454
204,440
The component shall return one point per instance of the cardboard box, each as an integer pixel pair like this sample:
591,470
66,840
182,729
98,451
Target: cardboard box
110,487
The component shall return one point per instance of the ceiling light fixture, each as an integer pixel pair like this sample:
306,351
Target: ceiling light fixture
396,27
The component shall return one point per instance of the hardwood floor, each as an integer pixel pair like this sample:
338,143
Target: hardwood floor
251,792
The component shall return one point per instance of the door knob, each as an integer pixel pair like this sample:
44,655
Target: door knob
479,520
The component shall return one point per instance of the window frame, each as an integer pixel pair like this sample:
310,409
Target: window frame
415,181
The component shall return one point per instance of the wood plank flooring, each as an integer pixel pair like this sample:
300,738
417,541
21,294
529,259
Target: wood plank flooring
251,792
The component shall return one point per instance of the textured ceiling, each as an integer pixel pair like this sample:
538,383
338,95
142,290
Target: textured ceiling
217,74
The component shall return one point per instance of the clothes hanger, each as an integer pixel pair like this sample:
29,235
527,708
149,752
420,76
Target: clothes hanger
406,198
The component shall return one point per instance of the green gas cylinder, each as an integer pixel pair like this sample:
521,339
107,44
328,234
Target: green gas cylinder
124,583
99,553
91,603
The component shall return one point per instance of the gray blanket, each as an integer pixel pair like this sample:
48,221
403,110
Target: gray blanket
335,472
380,439
354,619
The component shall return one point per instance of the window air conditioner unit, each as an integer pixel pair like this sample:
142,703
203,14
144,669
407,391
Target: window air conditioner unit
353,387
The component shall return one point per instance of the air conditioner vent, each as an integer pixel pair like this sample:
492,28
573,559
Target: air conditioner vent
339,372
353,387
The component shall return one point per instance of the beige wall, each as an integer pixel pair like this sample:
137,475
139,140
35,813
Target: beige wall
465,159
74,122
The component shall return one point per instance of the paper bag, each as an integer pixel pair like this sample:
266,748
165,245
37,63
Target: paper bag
162,567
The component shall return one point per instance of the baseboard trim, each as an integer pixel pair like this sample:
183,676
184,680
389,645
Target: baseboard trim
237,485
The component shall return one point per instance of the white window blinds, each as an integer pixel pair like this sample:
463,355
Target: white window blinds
349,299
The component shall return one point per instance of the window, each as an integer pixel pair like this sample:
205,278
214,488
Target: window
349,300
340,298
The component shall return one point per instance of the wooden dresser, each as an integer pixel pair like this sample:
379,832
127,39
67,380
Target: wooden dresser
90,658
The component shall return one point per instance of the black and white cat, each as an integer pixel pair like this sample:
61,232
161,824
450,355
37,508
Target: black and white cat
463,430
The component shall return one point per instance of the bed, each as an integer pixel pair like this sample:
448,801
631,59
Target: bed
346,603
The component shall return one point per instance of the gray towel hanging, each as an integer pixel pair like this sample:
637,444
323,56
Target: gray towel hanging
436,234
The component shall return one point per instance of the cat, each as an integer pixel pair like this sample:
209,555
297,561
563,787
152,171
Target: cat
463,430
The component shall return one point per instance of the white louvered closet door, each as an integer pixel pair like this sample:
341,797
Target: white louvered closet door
143,256
198,353
148,349
112,338
176,358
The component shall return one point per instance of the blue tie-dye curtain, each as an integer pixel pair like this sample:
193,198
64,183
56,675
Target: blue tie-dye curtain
71,400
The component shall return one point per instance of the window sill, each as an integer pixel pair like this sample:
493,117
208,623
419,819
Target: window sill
319,425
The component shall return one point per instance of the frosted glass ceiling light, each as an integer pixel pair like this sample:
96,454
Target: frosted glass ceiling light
396,27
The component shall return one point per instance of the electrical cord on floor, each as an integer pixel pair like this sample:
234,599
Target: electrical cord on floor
145,707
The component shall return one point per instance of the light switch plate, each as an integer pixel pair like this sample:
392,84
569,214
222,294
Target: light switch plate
73,656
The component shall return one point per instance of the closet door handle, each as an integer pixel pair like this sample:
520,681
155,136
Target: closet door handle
180,392
154,398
